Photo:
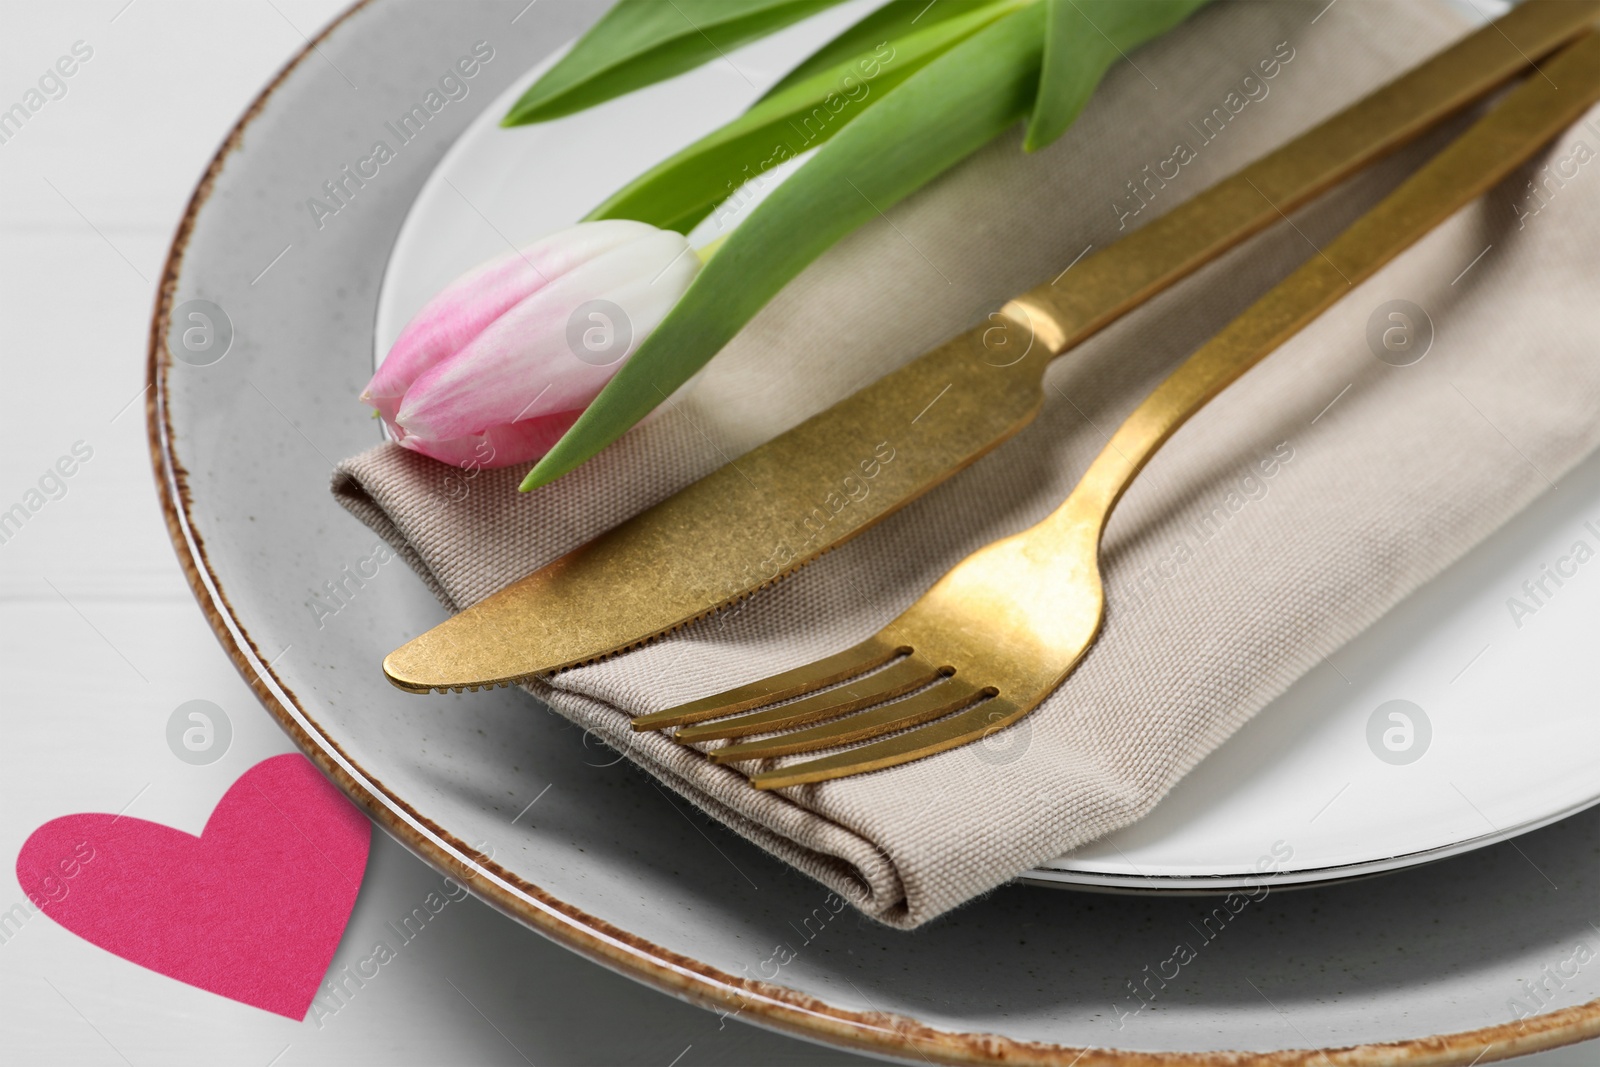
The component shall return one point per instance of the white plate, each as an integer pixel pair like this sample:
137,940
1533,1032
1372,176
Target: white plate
1502,730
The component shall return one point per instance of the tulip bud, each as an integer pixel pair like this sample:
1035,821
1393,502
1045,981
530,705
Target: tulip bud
496,367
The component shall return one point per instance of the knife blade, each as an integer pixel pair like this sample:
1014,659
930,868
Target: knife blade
812,488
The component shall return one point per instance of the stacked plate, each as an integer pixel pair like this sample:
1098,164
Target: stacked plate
1448,726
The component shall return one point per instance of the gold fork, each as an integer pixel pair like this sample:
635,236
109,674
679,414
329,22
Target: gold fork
1000,631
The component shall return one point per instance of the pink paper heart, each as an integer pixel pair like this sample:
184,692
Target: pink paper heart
252,909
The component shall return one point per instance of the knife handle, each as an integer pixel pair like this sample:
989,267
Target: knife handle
1060,314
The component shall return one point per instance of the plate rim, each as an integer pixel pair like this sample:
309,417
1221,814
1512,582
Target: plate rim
1307,878
777,1007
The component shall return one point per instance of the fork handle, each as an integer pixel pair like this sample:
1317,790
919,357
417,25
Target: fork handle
1549,101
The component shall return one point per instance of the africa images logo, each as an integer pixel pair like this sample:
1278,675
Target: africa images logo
341,190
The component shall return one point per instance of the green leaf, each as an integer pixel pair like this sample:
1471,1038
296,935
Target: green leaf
892,21
1082,39
679,192
930,122
641,42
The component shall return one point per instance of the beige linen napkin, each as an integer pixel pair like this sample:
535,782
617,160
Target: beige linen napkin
1291,513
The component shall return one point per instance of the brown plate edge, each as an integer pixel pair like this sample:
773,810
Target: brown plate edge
777,1007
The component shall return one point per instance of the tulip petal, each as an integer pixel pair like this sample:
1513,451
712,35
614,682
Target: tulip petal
465,307
556,349
499,446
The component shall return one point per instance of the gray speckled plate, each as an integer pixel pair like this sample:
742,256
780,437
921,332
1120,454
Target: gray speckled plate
1426,966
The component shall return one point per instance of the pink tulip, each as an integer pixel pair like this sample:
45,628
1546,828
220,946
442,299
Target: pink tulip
496,367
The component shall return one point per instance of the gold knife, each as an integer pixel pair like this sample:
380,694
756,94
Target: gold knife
814,487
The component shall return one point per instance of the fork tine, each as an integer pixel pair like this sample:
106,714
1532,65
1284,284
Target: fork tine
895,680
873,652
950,732
927,705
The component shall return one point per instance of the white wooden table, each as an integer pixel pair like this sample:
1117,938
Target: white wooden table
100,640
